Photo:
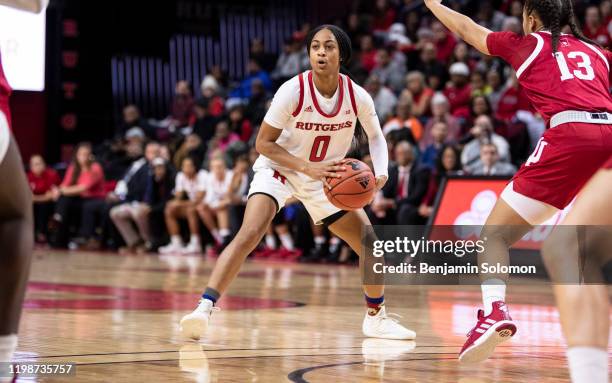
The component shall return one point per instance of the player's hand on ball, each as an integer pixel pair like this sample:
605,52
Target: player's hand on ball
319,171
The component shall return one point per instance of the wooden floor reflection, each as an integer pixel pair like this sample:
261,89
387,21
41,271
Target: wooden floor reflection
116,317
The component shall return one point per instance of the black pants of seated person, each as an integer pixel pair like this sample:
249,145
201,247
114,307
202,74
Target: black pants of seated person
42,212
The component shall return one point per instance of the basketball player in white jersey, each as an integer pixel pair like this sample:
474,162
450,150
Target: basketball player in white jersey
306,132
16,229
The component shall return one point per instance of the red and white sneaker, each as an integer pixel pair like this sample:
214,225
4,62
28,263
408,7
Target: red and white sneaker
490,331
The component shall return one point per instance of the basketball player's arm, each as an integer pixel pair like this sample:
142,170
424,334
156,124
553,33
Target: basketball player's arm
35,6
267,146
461,25
376,139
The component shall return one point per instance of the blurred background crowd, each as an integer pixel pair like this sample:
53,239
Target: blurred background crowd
179,184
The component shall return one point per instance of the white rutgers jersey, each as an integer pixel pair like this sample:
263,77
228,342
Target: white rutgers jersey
309,132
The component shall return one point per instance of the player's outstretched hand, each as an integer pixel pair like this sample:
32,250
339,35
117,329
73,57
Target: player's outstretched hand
320,171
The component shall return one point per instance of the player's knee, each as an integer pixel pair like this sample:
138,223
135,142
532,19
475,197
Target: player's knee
250,234
498,235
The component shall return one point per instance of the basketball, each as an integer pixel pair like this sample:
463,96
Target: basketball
355,189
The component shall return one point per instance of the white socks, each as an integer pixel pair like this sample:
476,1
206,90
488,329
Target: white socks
270,242
588,364
287,241
194,240
493,290
319,240
8,345
176,240
224,232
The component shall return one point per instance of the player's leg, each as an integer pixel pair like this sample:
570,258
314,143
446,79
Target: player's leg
584,309
16,240
194,246
512,217
171,214
260,211
267,195
350,227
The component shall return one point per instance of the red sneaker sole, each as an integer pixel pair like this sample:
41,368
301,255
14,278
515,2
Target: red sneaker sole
484,346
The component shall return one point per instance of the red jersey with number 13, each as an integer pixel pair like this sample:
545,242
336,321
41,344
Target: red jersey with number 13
577,77
5,92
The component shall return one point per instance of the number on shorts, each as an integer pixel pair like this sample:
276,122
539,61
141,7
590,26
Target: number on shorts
537,153
588,74
319,148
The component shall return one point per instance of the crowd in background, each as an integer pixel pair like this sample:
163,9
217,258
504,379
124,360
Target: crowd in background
180,185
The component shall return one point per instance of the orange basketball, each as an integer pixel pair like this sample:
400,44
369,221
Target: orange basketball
355,189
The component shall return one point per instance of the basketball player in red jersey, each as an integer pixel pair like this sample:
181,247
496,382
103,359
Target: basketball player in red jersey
306,132
566,79
15,214
584,310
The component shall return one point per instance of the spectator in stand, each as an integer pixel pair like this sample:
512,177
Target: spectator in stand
223,138
132,119
189,190
157,193
292,61
494,82
420,94
389,71
482,133
214,209
439,132
440,108
205,122
489,17
404,119
461,53
221,77
83,184
166,154
383,17
594,28
182,105
479,85
211,97
434,70
444,40
446,163
42,181
191,147
239,124
401,196
258,52
459,91
512,100
132,208
512,24
243,91
367,53
384,99
489,163
256,108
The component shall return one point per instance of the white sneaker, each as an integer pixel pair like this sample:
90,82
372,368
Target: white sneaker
385,327
171,248
195,324
192,248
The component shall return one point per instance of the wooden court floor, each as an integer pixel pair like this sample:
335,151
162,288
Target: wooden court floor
116,318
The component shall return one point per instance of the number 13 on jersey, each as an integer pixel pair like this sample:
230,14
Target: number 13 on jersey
586,72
